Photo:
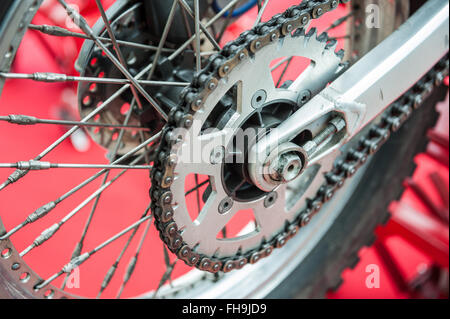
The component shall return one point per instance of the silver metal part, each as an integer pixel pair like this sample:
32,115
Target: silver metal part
287,167
259,98
225,205
217,155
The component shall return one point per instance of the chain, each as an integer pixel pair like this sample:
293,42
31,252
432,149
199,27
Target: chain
205,82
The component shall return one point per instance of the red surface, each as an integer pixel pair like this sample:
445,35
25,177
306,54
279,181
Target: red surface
127,199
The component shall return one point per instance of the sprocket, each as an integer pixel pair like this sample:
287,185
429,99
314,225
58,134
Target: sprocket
245,98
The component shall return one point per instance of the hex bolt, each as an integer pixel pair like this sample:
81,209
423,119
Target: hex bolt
259,98
225,205
217,155
304,97
270,199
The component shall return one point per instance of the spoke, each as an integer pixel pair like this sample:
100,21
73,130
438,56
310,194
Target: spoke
198,192
166,256
226,24
37,165
80,244
74,263
58,77
284,72
339,21
133,261
84,26
118,51
163,38
110,274
259,3
44,210
165,277
31,120
17,175
260,13
197,187
347,36
187,27
61,32
201,26
52,230
207,25
197,36
280,63
167,261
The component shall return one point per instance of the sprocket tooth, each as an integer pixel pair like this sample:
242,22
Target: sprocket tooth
340,54
311,32
323,37
299,33
331,45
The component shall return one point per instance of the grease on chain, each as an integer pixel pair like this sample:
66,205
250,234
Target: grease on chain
206,82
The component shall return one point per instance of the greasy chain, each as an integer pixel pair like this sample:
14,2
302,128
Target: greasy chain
205,83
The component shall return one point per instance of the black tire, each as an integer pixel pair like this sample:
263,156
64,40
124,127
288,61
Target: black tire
368,207
4,8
